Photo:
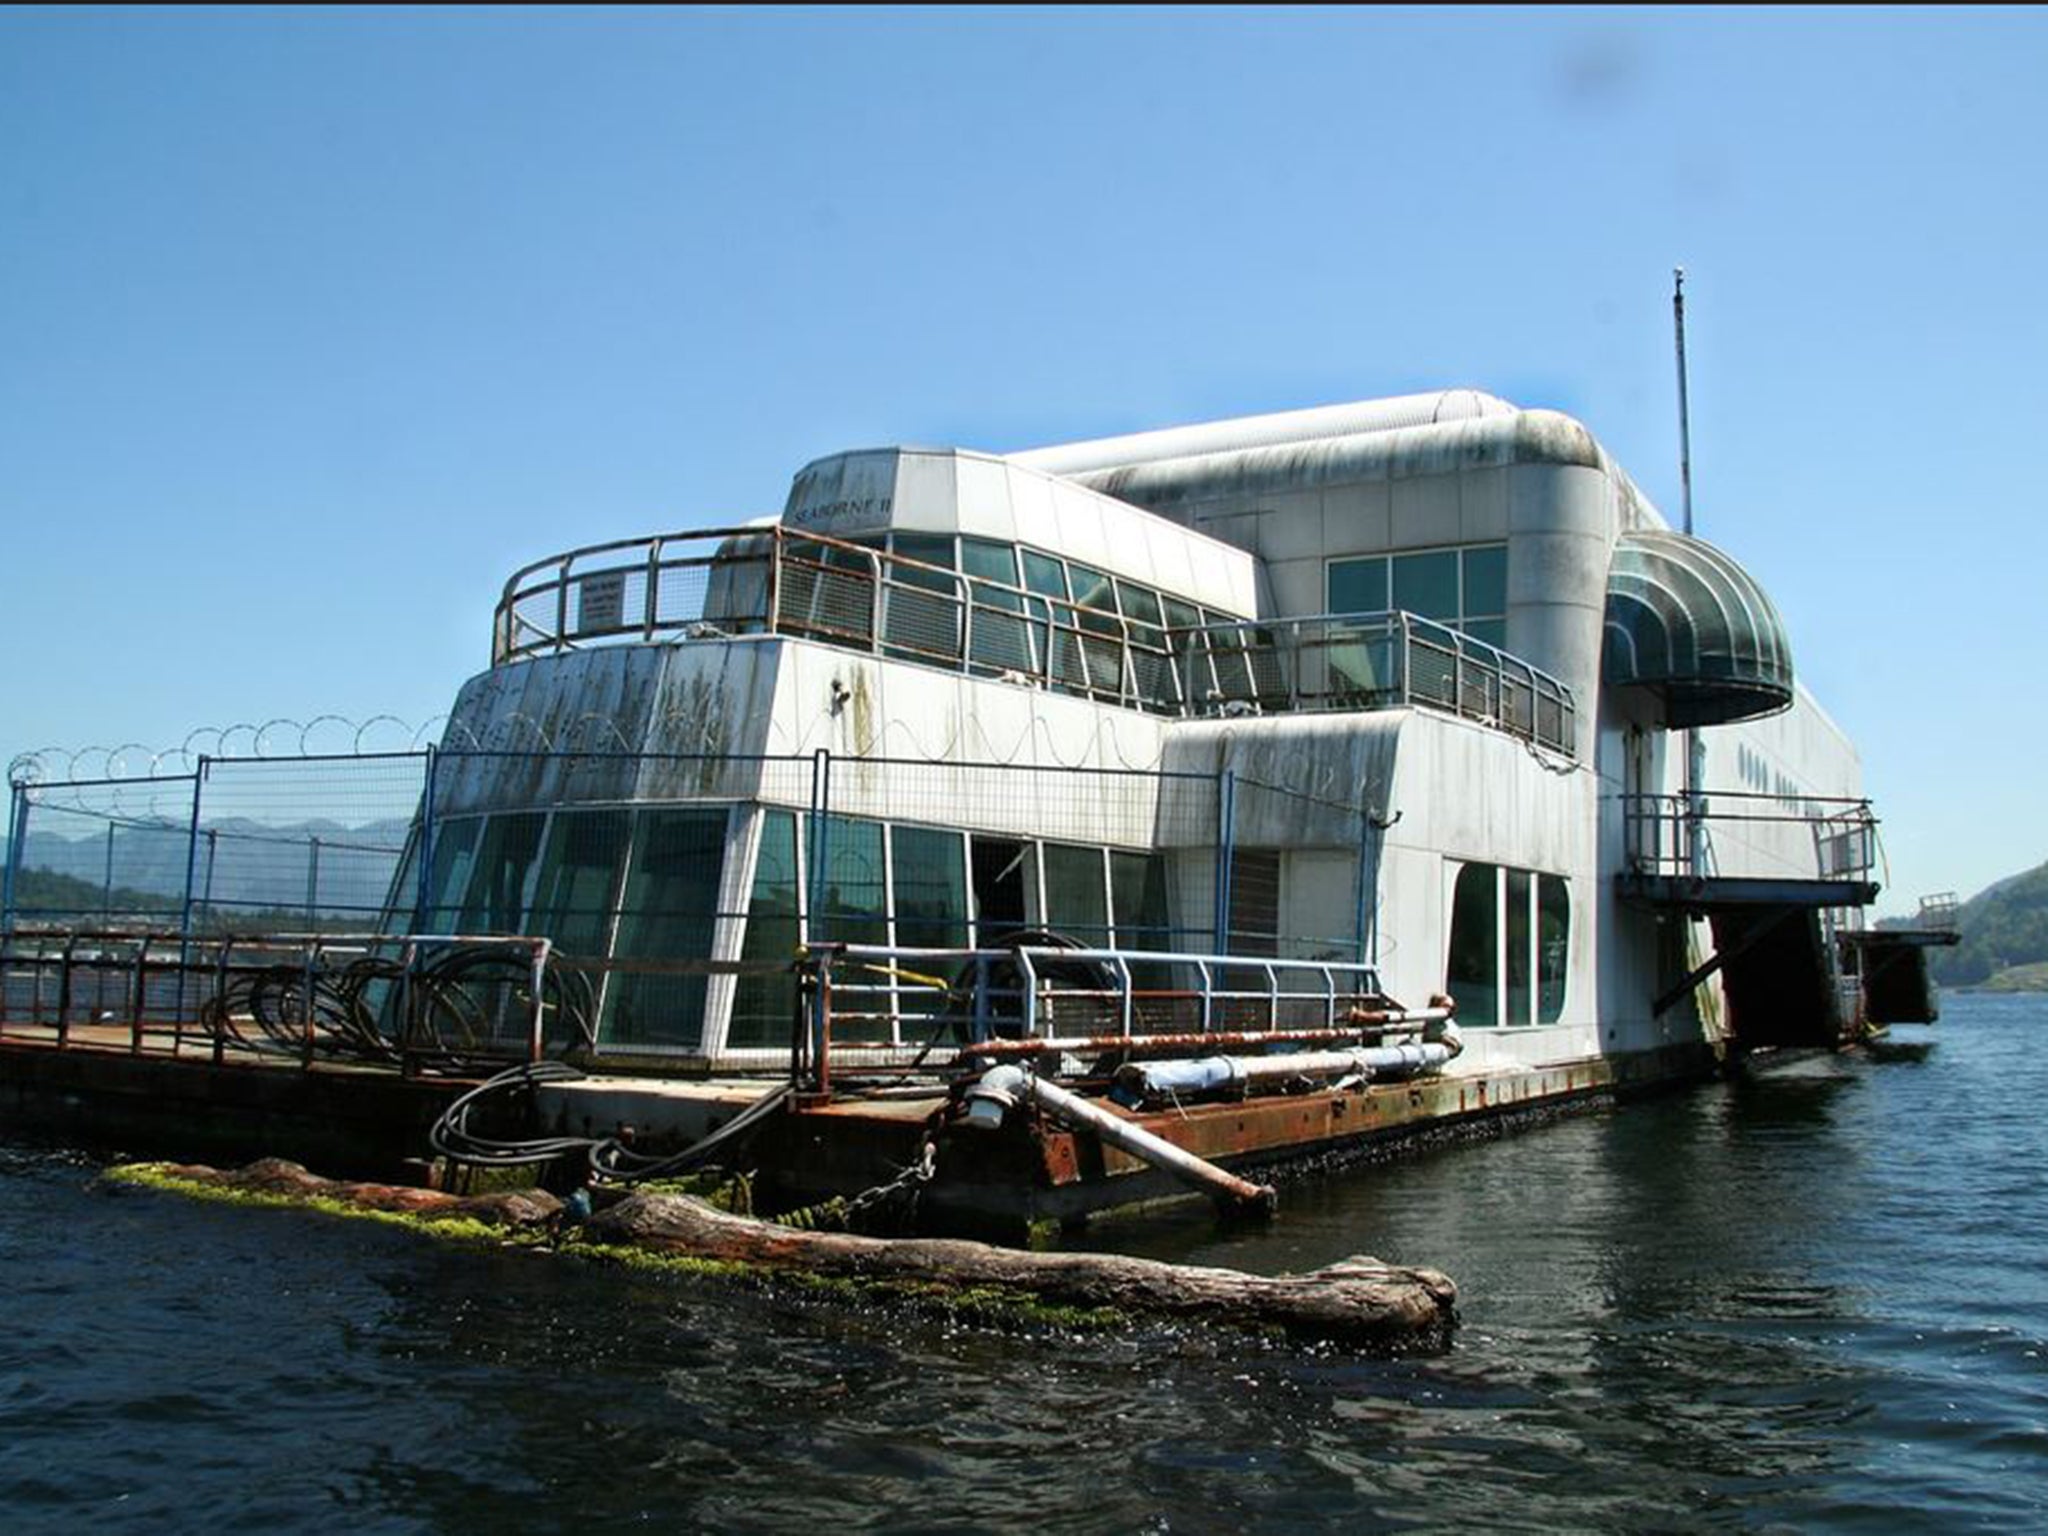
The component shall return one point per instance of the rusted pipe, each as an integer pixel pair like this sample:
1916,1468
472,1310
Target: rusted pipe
1002,1087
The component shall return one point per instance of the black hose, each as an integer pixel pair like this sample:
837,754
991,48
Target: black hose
609,1159
616,1163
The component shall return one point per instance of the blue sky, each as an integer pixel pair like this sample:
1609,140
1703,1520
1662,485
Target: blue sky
315,325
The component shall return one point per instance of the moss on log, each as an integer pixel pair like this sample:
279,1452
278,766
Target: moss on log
1360,1302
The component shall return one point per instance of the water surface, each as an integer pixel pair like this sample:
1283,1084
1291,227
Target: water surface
1815,1298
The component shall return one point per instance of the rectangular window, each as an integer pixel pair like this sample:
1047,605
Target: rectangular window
1518,944
764,1006
495,901
1138,901
1358,586
579,872
1076,901
1510,946
668,912
1427,585
1465,588
1472,973
1005,891
454,851
930,868
853,890
921,609
1486,581
1553,946
1000,637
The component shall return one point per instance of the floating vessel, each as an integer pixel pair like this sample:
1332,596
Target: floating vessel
1081,825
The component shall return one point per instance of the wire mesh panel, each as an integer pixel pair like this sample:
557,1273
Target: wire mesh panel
302,843
105,850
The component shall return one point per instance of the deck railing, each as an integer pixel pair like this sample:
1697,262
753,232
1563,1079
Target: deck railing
872,1008
412,1004
767,580
1675,834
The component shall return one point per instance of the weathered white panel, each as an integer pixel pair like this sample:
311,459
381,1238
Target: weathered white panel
1483,505
1358,518
1425,511
984,491
1077,514
1291,527
926,492
1031,510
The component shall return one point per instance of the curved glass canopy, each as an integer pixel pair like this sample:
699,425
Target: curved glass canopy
1694,628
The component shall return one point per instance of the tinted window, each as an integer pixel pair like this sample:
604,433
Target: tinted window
1470,974
668,912
763,1006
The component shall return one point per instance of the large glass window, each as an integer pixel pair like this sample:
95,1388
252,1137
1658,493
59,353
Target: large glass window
1472,974
1517,957
579,872
1000,636
1076,901
1137,883
921,613
1427,584
929,870
495,901
853,893
1510,946
1005,894
1553,946
454,851
931,888
764,1005
1464,588
1358,586
668,912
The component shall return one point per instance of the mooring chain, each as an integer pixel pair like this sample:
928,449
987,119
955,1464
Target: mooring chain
838,1212
914,1174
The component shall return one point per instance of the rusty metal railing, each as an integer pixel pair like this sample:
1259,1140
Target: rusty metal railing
413,1004
877,1009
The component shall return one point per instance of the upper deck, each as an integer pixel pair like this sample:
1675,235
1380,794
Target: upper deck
1022,616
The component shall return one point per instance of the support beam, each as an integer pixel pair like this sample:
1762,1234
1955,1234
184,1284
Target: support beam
1677,994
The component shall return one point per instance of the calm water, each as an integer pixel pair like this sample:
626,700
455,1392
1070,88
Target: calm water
1816,1299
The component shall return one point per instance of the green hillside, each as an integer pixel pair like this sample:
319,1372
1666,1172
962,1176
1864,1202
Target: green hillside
2003,926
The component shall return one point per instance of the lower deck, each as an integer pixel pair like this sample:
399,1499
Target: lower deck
183,1100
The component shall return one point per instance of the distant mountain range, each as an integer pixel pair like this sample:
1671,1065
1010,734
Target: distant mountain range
240,862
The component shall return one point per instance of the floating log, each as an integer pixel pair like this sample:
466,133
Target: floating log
1361,1301
277,1179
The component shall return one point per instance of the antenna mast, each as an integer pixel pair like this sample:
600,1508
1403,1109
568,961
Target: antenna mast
1684,425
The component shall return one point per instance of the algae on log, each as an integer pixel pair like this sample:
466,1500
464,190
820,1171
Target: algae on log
274,1178
1359,1301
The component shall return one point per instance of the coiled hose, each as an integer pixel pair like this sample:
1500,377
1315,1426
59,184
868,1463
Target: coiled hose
610,1160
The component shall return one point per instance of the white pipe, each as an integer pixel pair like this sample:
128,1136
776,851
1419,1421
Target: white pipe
1165,1079
1001,1087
